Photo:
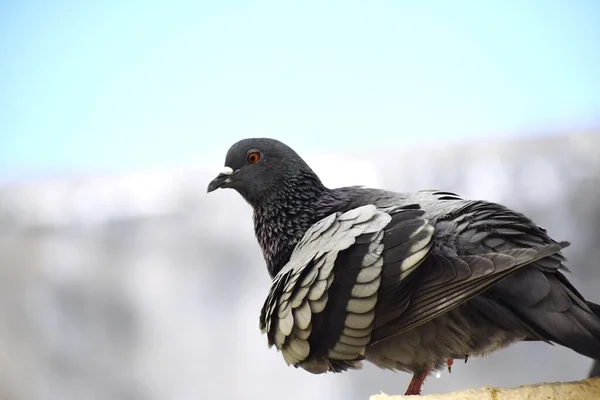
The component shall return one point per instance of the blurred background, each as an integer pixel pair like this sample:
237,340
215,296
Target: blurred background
121,279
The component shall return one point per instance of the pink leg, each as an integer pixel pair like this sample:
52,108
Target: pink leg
414,387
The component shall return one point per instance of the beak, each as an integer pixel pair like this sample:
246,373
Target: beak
223,177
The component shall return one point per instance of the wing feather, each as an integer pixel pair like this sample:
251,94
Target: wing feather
322,305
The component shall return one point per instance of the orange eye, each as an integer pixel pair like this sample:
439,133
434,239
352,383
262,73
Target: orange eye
253,157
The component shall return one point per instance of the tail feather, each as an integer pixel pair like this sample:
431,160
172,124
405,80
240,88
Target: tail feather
579,329
569,319
550,306
595,308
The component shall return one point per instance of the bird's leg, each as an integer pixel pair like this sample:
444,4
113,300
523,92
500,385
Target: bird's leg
414,387
449,363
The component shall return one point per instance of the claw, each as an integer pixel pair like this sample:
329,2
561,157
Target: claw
449,363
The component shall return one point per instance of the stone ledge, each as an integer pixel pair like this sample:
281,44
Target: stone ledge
587,389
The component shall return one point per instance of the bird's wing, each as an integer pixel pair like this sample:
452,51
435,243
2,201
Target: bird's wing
368,274
322,303
450,281
485,227
470,255
541,298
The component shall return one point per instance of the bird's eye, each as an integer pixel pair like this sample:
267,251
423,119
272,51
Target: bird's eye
253,157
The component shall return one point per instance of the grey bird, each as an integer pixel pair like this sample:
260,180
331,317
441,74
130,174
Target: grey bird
406,281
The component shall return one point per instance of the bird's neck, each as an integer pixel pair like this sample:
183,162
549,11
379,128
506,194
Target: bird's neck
281,220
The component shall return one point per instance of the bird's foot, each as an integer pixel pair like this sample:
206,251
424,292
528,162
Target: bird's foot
449,363
414,387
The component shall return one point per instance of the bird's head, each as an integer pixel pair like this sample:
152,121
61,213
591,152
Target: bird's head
257,168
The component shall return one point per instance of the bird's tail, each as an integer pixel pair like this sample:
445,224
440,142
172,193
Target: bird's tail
588,342
594,307
578,328
595,371
559,313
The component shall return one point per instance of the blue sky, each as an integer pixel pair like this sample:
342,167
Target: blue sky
95,86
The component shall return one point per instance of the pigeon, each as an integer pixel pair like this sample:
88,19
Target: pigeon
406,281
